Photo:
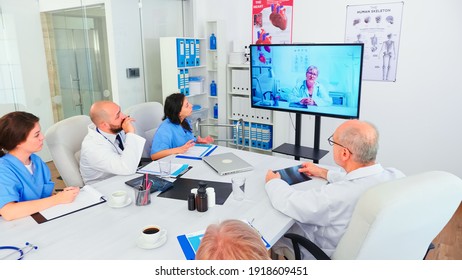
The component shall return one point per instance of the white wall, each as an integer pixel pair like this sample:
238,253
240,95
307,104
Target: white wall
160,18
22,46
417,115
125,51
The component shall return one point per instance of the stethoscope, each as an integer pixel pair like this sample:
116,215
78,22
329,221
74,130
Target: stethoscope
304,88
21,251
112,143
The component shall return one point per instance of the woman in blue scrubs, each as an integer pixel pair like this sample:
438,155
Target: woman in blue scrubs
25,184
174,135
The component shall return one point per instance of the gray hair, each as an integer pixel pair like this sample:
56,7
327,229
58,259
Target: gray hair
364,145
311,67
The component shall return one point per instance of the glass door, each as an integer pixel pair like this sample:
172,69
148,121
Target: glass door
78,64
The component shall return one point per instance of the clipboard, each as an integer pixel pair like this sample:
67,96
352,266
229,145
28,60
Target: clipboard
190,243
88,197
153,168
198,151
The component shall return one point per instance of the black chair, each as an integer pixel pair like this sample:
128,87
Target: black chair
318,253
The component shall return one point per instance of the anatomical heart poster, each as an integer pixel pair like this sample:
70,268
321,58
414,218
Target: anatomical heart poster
272,21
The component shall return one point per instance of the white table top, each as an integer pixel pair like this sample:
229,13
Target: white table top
102,232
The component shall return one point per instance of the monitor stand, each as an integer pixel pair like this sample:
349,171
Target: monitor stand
299,151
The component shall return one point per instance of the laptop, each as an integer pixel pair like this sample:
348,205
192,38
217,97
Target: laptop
227,163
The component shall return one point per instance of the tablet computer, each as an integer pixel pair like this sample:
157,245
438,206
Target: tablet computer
292,176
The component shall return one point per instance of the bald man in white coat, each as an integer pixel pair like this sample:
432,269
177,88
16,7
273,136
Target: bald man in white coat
322,213
111,146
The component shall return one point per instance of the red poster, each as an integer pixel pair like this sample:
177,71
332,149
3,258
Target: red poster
272,21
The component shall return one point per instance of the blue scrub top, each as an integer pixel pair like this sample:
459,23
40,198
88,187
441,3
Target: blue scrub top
18,184
169,136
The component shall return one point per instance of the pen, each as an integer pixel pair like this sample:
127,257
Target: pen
146,195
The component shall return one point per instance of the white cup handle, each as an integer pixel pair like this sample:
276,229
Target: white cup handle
162,233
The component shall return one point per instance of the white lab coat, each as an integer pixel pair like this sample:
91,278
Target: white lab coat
323,212
101,158
320,94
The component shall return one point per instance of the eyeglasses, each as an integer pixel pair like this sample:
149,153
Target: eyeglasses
312,73
332,142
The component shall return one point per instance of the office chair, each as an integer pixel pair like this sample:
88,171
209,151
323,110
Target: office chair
148,117
396,220
64,139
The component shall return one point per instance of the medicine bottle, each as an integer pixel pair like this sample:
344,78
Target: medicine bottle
215,111
191,202
213,42
213,89
201,198
211,197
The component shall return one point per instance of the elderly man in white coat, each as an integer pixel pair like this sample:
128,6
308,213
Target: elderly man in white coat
322,213
111,146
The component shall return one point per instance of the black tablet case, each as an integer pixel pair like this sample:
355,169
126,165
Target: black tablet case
182,188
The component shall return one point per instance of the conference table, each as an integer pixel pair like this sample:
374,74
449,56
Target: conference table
101,232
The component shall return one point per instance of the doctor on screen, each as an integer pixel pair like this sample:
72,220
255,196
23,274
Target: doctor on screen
309,92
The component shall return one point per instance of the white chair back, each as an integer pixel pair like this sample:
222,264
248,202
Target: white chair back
64,139
399,219
148,117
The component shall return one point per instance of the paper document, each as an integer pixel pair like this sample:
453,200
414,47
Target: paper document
153,168
198,151
87,197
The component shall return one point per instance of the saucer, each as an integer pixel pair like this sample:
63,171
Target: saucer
144,245
113,205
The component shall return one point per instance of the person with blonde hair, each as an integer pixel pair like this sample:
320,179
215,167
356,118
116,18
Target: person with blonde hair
231,240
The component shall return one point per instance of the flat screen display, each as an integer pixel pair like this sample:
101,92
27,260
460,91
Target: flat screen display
316,79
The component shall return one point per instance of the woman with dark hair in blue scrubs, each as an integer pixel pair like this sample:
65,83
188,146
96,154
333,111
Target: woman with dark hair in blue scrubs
26,186
174,135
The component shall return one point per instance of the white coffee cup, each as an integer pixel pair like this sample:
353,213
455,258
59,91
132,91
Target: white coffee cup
119,197
152,234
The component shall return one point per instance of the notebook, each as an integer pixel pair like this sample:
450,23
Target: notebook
88,197
227,163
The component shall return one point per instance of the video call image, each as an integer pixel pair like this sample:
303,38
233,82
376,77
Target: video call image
319,79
